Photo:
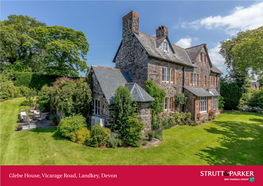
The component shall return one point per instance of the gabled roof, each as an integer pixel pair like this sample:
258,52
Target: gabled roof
177,55
111,78
193,53
138,94
200,92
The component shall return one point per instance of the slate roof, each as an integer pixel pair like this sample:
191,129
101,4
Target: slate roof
111,78
213,92
178,55
200,92
138,94
150,43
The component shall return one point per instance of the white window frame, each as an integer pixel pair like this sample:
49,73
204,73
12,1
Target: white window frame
200,57
203,104
215,103
165,75
165,46
96,106
194,79
168,104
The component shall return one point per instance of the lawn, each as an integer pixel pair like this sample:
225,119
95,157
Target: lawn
236,138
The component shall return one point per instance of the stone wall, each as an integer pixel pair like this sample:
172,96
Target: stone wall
190,103
145,116
106,110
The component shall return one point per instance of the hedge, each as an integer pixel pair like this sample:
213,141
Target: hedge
34,80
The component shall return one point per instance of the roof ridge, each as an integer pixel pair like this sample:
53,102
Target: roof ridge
195,46
148,34
105,67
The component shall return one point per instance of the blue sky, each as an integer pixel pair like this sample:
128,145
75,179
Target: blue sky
190,22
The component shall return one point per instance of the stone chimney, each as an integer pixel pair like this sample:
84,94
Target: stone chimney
130,24
161,31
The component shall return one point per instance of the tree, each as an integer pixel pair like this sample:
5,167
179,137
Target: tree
65,49
71,97
123,108
29,45
245,51
16,44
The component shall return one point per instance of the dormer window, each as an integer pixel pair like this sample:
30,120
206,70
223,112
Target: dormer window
200,57
165,46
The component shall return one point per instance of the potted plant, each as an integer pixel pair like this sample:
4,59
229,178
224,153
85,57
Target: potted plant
151,135
19,127
54,119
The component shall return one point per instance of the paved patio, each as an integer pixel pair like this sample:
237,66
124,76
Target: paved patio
35,123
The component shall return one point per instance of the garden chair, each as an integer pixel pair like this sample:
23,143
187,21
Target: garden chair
27,120
37,114
22,114
42,117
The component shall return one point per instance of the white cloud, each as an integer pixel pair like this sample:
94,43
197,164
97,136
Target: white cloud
216,58
240,19
184,42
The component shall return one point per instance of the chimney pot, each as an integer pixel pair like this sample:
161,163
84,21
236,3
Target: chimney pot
161,31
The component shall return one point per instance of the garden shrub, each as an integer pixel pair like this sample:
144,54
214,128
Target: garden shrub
156,123
123,108
23,78
23,90
7,88
80,136
112,142
97,136
221,102
138,143
27,103
180,99
30,94
107,133
145,143
71,97
68,126
43,99
133,130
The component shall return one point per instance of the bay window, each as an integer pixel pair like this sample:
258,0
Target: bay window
215,103
203,104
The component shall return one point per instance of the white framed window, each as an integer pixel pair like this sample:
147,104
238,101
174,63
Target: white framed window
96,106
165,46
165,74
194,79
200,57
172,75
168,104
203,104
215,103
212,81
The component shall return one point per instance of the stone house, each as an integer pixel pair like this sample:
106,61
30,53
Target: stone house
172,68
105,83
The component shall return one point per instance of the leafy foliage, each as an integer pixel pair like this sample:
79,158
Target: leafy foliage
107,133
17,46
221,102
44,97
133,130
97,136
252,98
81,136
68,126
123,108
28,45
158,94
231,93
71,96
244,51
180,99
7,88
65,49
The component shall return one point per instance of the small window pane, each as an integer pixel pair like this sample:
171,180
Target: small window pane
164,74
172,75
